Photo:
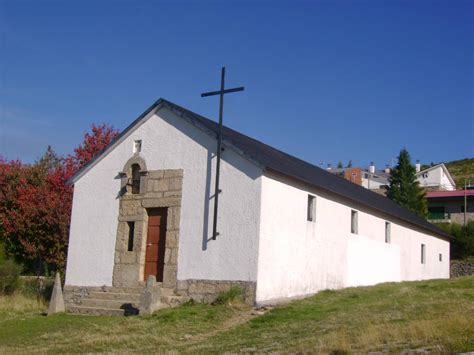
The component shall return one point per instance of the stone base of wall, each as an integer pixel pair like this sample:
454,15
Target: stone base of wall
74,295
202,291
461,268
206,291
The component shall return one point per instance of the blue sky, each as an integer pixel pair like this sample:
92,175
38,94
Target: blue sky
325,80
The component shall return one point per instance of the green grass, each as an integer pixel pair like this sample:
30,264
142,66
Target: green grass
432,315
461,170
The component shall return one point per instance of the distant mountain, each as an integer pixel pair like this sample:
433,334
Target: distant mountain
461,170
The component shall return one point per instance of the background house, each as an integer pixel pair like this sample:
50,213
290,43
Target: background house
435,177
449,206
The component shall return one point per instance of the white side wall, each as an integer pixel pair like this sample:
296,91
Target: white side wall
170,142
297,257
436,178
372,184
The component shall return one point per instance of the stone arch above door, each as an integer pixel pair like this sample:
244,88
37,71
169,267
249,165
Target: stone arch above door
126,174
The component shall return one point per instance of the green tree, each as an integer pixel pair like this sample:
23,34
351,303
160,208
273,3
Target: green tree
404,188
339,165
349,164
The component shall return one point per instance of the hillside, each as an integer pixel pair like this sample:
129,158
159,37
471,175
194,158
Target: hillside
427,316
461,170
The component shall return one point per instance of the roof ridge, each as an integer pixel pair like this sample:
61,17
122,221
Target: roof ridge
277,160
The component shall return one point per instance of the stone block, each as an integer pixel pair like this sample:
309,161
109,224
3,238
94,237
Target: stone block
126,274
201,288
172,239
149,187
174,256
176,215
154,195
182,285
151,202
172,193
169,276
173,173
156,174
223,287
128,257
167,255
160,202
161,185
203,297
175,184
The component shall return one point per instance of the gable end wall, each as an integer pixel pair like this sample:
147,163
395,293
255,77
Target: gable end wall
170,142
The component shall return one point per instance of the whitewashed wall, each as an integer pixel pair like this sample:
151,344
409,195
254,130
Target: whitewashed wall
297,257
371,184
170,142
436,178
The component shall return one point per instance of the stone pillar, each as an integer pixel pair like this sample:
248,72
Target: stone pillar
150,298
56,304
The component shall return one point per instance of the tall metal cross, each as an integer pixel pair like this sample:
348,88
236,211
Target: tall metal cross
221,93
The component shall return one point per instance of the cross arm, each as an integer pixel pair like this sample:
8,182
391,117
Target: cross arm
227,91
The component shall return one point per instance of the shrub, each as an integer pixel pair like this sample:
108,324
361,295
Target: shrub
2,251
235,293
9,277
462,246
40,288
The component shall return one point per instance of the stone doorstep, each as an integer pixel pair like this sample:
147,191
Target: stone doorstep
104,289
120,301
133,297
108,304
95,311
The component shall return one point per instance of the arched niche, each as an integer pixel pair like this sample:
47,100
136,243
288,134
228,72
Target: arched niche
133,176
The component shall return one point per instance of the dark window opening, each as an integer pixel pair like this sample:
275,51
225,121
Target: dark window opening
135,179
131,235
436,212
423,254
388,234
440,257
354,222
311,213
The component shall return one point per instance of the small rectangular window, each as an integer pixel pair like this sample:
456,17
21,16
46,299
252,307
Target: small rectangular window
354,222
388,233
137,146
440,257
423,254
311,212
131,235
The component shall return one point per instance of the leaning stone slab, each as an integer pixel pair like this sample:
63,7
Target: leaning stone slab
56,304
150,298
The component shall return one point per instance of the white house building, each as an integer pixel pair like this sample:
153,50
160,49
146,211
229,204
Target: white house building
436,177
287,228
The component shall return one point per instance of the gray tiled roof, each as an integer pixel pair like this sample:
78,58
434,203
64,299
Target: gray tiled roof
273,159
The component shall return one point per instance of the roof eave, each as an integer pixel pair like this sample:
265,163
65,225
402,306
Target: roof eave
435,231
153,108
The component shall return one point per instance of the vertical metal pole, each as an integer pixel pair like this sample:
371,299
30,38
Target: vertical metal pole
218,162
465,202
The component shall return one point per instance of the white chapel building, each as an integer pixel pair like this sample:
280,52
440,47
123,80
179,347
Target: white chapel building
287,228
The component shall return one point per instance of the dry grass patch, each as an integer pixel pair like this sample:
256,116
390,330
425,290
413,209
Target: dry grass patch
431,315
19,304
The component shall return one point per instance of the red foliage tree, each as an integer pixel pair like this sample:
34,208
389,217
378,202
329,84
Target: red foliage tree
35,205
93,144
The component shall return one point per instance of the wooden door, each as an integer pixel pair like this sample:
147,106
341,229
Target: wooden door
155,246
